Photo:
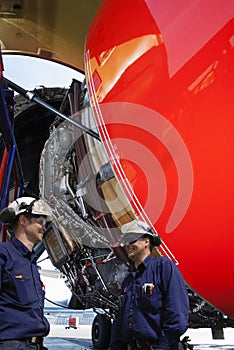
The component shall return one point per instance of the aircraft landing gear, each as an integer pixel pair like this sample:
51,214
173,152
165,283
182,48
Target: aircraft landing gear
101,329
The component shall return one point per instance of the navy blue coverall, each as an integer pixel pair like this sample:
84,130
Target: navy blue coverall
154,306
21,294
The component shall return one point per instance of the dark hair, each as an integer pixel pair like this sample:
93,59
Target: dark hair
10,226
155,239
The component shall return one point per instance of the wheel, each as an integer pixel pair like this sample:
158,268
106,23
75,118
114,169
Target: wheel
101,330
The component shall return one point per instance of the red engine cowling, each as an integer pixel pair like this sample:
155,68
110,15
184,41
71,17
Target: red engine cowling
160,78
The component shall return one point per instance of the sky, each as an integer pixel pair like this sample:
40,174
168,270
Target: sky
30,72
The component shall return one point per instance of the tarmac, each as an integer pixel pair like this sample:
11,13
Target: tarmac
61,338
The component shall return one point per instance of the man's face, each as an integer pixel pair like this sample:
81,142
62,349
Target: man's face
138,250
35,228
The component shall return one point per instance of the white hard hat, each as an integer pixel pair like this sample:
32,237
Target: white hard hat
25,205
136,229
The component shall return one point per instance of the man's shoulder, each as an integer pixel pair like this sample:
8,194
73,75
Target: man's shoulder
161,260
158,259
5,246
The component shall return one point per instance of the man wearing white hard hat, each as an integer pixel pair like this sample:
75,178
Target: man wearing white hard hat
154,304
22,322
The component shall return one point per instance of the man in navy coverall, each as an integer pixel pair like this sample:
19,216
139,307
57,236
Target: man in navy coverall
22,323
154,303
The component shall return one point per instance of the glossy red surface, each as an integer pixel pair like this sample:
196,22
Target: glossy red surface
160,76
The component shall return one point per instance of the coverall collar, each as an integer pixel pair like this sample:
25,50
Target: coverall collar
22,248
143,265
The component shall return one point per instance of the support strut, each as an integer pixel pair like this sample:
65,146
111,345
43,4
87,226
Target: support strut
32,97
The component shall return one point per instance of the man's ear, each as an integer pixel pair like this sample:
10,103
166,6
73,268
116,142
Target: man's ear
22,220
147,240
